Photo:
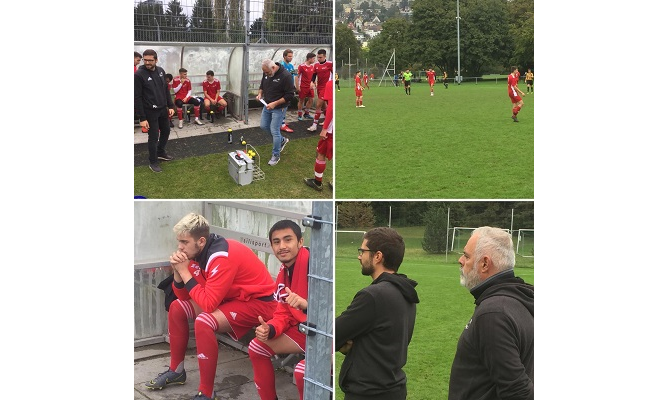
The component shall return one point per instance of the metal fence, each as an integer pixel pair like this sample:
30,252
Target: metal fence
234,21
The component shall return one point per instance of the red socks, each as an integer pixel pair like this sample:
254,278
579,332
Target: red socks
207,351
299,372
180,312
320,166
265,378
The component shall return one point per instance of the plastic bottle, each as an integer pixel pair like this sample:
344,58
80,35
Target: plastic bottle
229,135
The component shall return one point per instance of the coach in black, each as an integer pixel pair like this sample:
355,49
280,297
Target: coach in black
494,355
376,328
275,91
154,106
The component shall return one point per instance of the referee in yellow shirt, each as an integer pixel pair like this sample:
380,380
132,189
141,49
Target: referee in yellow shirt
529,81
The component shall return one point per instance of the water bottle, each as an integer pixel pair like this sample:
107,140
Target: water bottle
229,135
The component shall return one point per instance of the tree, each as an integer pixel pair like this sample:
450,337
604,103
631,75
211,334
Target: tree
522,30
176,22
433,33
485,38
148,21
202,21
435,232
345,40
256,30
355,214
394,35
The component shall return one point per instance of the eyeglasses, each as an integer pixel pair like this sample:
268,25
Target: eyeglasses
361,251
147,60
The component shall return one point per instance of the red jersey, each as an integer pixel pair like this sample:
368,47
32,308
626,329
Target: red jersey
305,75
357,83
225,270
286,316
430,75
324,71
185,91
211,88
512,81
328,97
365,78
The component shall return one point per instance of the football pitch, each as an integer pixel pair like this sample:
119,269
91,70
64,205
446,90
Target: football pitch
460,143
442,313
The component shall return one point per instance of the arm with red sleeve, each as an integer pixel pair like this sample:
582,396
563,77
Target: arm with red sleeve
286,316
328,96
209,293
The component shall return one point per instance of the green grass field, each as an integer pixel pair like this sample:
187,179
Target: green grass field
444,309
460,143
207,177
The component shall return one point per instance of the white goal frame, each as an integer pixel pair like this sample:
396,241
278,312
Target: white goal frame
462,228
518,241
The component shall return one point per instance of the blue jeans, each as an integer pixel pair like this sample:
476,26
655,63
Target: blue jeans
271,122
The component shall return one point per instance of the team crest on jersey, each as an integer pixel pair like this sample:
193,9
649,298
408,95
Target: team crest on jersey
280,294
233,315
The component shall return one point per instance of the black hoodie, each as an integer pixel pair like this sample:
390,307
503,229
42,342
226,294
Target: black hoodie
151,92
380,321
494,356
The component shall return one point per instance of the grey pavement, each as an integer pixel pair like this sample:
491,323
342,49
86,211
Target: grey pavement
233,378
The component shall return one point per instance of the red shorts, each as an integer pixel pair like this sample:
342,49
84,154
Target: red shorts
430,82
306,92
296,336
242,315
515,98
320,92
325,146
358,93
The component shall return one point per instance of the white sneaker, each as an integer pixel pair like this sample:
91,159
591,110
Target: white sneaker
198,122
313,128
431,94
180,124
362,106
274,160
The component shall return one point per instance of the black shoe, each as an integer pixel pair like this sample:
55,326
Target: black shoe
165,157
514,118
171,124
155,167
313,184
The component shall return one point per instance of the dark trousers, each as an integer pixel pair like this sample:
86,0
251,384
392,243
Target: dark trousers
158,133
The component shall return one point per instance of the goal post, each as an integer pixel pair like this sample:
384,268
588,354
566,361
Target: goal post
525,242
460,236
389,71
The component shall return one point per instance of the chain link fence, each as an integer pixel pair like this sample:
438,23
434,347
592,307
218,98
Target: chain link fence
234,21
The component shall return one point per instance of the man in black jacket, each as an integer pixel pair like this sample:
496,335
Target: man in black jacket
494,355
154,106
376,328
275,91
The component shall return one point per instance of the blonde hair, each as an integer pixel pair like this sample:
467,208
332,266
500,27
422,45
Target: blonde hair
193,224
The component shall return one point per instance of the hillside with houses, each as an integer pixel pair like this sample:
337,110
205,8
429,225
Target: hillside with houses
365,18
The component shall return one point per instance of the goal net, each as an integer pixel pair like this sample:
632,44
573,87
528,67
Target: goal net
524,243
460,236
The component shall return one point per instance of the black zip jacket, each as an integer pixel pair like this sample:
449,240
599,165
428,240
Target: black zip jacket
380,321
281,84
494,355
151,91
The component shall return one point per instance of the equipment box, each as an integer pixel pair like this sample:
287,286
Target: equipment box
240,167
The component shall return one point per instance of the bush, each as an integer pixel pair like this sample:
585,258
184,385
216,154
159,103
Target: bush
435,233
356,214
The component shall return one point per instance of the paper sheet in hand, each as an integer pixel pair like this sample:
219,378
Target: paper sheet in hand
263,102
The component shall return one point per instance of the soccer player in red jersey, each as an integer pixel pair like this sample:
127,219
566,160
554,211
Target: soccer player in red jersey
222,286
430,74
325,145
366,80
137,60
280,334
212,93
306,94
358,90
323,74
513,91
183,90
